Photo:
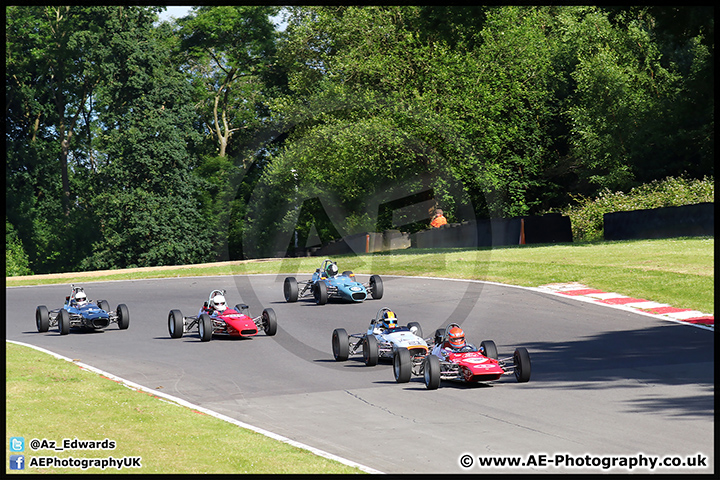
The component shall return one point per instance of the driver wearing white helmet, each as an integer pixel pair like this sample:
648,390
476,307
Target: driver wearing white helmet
332,270
80,299
218,304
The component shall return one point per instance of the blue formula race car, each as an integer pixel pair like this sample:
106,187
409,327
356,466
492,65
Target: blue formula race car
326,283
79,312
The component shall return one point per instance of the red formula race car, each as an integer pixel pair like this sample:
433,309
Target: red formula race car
470,364
215,318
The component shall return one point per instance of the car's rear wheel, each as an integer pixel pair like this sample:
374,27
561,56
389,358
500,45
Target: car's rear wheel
340,345
439,336
431,372
42,319
521,358
402,365
376,287
269,321
418,329
370,350
103,305
175,324
290,289
321,294
123,315
63,320
205,327
489,349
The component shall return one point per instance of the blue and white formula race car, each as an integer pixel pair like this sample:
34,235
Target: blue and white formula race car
326,283
384,338
79,312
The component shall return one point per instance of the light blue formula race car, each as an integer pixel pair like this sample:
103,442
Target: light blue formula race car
79,312
327,283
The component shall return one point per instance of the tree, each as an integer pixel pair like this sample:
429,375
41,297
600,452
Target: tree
380,111
53,67
16,260
227,49
147,211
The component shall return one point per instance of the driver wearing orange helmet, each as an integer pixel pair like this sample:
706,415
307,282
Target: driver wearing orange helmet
455,343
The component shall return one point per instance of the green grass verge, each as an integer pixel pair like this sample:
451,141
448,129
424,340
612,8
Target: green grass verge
678,271
49,398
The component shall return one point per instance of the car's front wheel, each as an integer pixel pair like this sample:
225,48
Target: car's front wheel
431,372
175,324
123,316
340,345
42,319
269,322
521,358
402,365
290,289
376,287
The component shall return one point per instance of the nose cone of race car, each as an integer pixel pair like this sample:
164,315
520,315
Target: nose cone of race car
94,316
349,289
406,339
476,367
239,324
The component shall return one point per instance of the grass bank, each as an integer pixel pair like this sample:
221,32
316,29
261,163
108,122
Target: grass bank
50,398
677,271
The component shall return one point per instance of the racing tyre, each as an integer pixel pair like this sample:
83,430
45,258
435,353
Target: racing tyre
123,316
205,327
63,320
439,336
402,365
431,372
321,294
417,327
103,305
521,358
370,350
340,346
347,273
42,319
290,289
376,287
175,324
269,322
489,349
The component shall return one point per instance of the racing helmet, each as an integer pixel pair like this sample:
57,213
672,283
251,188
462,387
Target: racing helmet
456,337
81,298
332,270
389,319
219,303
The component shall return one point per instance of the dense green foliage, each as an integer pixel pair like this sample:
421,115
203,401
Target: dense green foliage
586,215
133,142
16,260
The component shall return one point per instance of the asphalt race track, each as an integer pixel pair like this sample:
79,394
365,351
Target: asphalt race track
605,382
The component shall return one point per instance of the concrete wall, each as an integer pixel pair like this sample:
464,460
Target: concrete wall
690,220
552,228
666,222
370,242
